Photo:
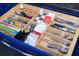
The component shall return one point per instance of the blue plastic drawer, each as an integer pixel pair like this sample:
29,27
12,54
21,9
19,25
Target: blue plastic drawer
22,46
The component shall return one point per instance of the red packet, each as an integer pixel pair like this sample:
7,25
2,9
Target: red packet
37,33
47,19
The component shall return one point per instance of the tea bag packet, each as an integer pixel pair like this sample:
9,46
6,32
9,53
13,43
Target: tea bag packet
49,18
18,13
31,39
51,46
23,14
8,20
69,36
32,25
8,29
41,15
64,50
22,20
67,42
12,17
40,27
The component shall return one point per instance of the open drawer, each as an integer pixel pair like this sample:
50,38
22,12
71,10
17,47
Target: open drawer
59,35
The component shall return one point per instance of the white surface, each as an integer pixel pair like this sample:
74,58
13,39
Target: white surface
40,27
